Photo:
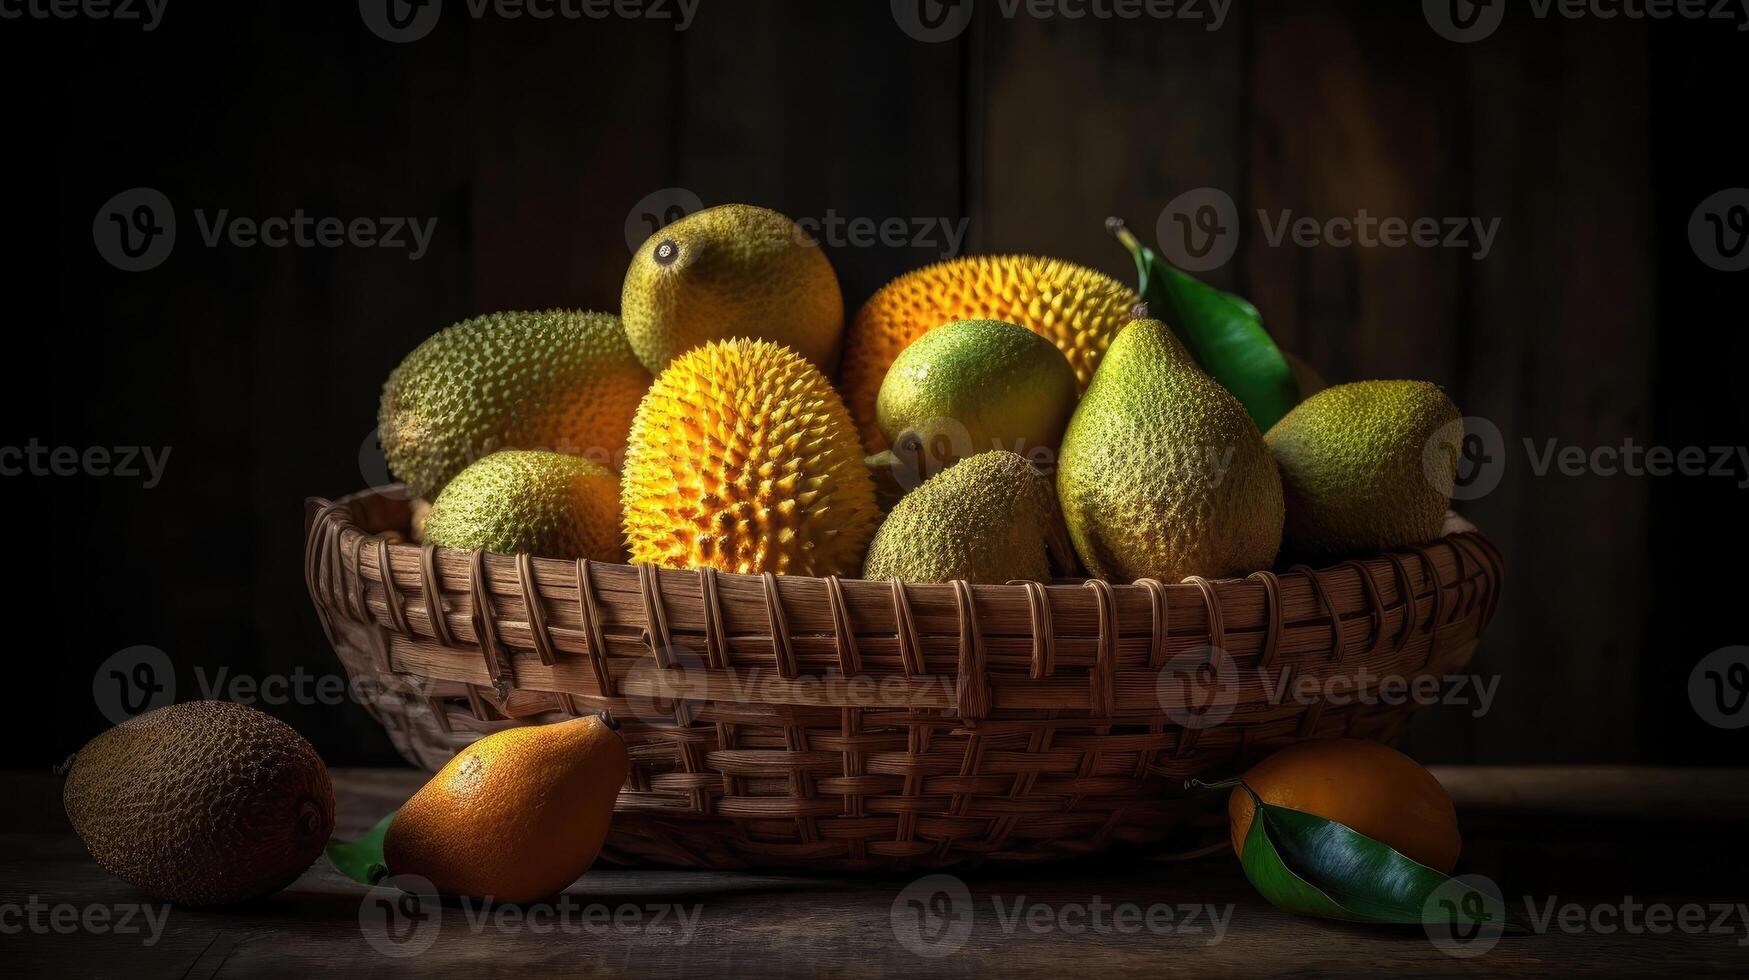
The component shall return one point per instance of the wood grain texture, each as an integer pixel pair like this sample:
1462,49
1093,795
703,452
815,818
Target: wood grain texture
771,925
1557,357
1084,119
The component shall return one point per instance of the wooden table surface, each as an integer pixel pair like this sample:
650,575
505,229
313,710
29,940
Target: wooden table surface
1638,872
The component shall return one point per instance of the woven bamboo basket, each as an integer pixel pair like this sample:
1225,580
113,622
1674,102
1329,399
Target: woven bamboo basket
870,725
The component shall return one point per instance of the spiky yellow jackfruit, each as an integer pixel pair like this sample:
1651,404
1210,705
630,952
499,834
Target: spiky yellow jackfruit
743,458
1076,308
561,380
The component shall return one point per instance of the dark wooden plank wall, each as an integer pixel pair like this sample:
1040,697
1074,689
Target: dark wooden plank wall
531,142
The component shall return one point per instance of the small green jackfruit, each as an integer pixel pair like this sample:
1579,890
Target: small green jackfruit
985,520
549,505
1367,466
562,380
1162,473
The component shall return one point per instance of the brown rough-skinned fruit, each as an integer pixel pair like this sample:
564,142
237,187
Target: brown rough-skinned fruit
203,803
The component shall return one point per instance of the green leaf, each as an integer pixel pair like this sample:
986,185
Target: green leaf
1309,865
362,859
1222,331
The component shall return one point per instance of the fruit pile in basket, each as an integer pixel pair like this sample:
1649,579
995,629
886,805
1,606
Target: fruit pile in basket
985,419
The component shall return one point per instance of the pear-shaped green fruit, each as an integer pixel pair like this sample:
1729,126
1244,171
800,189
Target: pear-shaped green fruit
974,386
988,519
1367,466
1163,474
549,505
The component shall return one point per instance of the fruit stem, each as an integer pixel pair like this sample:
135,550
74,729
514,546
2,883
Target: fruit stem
607,719
1122,233
1221,784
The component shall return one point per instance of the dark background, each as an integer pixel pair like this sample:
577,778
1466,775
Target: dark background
532,142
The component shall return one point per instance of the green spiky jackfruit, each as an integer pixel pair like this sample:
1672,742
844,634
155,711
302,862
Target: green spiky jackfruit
988,519
560,380
549,505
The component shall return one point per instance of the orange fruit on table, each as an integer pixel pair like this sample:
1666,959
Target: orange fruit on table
1371,788
516,816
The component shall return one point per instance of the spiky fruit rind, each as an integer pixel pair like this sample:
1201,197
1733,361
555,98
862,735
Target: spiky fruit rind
549,505
743,458
201,803
973,386
562,380
1367,466
1076,308
988,519
731,271
1162,473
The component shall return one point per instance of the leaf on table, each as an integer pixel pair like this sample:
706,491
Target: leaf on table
1222,331
362,859
1309,865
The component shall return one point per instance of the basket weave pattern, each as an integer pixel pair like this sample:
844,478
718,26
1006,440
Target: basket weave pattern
783,722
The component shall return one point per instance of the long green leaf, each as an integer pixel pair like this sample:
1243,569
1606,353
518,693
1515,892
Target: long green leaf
362,859
1222,331
1309,865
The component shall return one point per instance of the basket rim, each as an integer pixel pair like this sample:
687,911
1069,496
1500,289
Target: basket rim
340,511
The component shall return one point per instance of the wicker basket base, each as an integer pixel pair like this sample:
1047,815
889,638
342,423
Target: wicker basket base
994,723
